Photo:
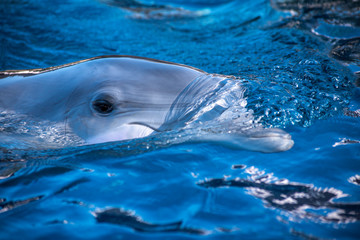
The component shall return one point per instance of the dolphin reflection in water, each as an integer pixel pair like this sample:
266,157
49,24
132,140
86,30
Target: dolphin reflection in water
114,98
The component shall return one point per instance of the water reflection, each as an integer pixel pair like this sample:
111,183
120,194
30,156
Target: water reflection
301,201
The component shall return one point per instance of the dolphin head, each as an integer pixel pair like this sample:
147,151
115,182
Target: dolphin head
124,98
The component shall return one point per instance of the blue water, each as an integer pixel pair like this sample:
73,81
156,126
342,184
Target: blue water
299,64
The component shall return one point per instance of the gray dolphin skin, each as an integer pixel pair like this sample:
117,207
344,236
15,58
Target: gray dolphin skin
113,98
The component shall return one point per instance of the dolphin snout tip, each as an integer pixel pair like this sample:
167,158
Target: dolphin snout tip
284,141
288,143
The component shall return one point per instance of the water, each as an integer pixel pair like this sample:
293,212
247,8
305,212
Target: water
299,65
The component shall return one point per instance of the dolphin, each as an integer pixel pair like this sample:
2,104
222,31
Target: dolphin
114,98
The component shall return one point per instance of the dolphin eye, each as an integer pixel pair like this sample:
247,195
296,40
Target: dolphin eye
102,106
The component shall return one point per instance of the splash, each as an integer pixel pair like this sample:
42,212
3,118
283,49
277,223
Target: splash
21,132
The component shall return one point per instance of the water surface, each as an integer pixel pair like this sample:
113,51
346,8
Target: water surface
298,62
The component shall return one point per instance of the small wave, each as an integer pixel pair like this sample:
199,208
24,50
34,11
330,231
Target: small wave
210,99
355,180
334,12
140,10
347,50
334,21
128,218
21,132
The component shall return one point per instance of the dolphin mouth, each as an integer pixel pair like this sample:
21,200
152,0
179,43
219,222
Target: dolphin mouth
124,132
269,133
145,125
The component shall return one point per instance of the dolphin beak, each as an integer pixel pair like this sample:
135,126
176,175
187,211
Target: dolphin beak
270,140
268,132
266,140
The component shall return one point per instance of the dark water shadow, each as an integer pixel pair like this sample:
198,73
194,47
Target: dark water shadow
129,219
299,199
